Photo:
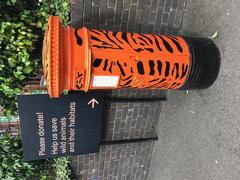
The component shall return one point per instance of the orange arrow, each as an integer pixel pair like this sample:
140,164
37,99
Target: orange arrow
93,101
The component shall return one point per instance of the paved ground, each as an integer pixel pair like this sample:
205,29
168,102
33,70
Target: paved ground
199,131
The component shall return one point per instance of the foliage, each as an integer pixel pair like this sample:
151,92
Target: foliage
21,33
59,8
62,168
22,24
14,168
16,41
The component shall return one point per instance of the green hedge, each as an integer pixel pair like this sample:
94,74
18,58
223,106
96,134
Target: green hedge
22,24
14,168
21,34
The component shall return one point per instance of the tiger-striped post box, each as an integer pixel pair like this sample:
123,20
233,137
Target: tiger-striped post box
88,59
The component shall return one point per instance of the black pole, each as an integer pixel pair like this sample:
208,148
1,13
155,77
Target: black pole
127,141
132,100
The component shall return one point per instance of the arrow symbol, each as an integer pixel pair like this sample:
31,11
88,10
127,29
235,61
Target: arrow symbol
93,101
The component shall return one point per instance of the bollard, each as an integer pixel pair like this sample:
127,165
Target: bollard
88,59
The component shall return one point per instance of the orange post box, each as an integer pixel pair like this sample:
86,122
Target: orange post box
88,59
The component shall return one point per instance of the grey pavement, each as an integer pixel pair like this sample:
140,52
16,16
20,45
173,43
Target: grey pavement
199,131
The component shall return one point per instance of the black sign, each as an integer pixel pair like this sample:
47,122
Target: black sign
69,125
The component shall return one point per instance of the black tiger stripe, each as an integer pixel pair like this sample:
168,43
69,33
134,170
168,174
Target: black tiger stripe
180,49
177,85
166,44
157,43
174,37
159,82
124,37
138,50
127,83
131,70
104,47
97,62
103,42
159,67
164,79
167,68
173,85
127,78
164,85
134,40
143,40
105,64
176,68
114,33
140,68
115,36
154,80
107,35
95,31
102,31
113,40
151,66
149,49
120,68
110,68
151,42
79,39
184,70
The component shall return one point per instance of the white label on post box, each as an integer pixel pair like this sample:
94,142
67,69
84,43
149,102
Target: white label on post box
105,81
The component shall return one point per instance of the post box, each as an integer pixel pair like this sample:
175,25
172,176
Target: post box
89,59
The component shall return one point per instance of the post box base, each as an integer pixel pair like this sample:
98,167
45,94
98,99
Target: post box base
205,63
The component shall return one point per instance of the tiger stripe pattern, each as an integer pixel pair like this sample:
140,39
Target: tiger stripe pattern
153,68
141,60
138,42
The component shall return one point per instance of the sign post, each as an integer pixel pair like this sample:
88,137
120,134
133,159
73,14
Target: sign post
69,125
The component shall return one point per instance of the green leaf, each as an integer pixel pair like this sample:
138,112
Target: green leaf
19,68
39,24
23,32
27,69
21,77
65,92
214,35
